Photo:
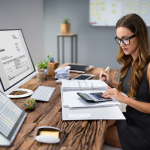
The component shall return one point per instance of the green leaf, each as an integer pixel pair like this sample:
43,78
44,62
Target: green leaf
43,65
66,20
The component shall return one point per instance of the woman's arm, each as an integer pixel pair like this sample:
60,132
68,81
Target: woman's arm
108,80
114,84
148,76
140,106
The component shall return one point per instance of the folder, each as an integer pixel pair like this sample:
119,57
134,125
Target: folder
90,113
72,99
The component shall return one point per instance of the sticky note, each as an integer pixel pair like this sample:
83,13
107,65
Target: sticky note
127,10
144,4
113,5
103,3
143,11
93,8
98,14
128,4
135,10
98,3
98,19
149,5
134,4
118,0
113,11
137,0
50,133
93,14
103,8
92,3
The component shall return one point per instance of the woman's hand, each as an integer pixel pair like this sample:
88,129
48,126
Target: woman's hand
113,92
106,78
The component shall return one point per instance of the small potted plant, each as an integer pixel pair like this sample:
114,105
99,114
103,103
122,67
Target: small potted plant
65,26
42,70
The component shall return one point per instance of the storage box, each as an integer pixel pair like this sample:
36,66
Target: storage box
52,67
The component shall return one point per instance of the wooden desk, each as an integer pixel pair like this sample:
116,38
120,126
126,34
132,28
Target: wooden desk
85,135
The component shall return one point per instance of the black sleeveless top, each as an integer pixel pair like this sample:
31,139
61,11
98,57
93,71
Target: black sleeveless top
133,116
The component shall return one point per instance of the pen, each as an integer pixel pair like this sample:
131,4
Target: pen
105,71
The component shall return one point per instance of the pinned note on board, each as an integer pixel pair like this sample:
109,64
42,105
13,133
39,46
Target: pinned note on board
135,10
144,4
143,11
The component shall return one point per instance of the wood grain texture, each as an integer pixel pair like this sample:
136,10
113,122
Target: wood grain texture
67,34
74,135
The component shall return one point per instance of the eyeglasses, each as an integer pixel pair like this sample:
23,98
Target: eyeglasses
125,41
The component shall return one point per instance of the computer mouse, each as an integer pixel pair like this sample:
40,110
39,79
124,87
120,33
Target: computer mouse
60,80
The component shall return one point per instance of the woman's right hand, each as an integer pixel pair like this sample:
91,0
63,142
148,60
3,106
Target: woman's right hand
106,78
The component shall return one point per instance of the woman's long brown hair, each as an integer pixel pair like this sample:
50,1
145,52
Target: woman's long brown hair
135,24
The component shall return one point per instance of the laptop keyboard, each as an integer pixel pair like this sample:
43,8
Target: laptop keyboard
43,93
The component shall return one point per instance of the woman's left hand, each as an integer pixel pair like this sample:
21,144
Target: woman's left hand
113,92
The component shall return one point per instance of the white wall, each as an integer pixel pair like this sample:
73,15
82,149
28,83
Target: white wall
28,16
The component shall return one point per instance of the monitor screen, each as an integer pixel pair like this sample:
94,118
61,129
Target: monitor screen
16,65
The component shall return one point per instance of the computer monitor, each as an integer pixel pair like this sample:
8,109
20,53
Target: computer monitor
16,65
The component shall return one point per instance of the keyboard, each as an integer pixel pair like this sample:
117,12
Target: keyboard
94,97
43,93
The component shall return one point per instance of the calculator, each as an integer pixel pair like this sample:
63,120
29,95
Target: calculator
94,97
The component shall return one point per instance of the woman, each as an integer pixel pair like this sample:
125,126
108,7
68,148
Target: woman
134,132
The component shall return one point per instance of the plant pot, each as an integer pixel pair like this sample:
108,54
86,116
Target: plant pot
42,74
65,28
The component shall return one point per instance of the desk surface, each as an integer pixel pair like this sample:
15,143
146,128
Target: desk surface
73,134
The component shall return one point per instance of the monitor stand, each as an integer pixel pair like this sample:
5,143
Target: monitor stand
29,92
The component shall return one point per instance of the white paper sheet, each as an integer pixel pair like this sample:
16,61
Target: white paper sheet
72,99
79,116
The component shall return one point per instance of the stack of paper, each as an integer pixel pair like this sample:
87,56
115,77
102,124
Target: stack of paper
62,73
